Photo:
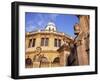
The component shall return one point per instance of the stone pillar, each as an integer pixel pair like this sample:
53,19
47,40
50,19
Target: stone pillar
64,53
50,64
61,59
82,32
81,53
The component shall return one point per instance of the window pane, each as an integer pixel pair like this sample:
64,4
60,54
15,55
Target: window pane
46,41
55,42
59,43
33,44
42,41
30,43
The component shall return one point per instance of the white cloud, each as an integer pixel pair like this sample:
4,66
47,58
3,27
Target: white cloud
30,28
53,16
40,21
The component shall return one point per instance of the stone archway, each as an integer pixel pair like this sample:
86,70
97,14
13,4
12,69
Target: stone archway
56,60
44,62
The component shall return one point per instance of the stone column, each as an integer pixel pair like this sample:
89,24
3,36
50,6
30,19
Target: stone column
82,54
80,41
64,53
61,59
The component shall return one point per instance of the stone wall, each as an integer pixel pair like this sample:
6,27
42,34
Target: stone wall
82,40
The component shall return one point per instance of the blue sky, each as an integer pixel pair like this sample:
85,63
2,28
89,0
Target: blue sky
63,22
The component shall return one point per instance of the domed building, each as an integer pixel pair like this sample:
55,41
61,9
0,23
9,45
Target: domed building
51,27
50,44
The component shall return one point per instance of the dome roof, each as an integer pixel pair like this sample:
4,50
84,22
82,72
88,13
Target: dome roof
51,26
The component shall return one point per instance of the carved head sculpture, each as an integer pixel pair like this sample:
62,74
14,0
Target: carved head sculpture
38,50
76,29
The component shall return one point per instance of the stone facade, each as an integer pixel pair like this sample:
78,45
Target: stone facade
52,41
81,40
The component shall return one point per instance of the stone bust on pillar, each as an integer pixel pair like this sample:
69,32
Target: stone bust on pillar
80,41
78,33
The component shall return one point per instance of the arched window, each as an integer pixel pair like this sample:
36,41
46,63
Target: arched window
28,61
56,60
44,60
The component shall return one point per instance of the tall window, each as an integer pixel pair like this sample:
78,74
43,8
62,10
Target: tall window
52,29
31,43
49,29
44,41
57,42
